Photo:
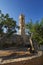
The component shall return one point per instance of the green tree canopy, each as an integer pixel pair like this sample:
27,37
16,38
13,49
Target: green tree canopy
7,22
37,30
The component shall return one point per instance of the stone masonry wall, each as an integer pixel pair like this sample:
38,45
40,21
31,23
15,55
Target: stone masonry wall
14,39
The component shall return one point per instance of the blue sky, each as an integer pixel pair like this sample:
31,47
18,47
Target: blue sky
32,9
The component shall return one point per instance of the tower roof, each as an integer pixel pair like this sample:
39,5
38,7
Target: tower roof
21,16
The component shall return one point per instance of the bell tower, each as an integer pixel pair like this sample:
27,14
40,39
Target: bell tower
22,31
22,25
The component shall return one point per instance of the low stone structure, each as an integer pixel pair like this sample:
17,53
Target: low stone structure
41,47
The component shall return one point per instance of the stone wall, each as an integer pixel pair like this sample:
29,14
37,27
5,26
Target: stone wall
41,47
14,39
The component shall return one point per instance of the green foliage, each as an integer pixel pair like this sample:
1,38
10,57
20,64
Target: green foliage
7,22
37,30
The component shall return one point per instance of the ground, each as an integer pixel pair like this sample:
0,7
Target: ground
15,52
11,53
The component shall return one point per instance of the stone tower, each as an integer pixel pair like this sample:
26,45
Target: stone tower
22,25
22,31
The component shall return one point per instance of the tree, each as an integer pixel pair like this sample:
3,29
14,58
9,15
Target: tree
1,19
37,30
7,22
29,25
